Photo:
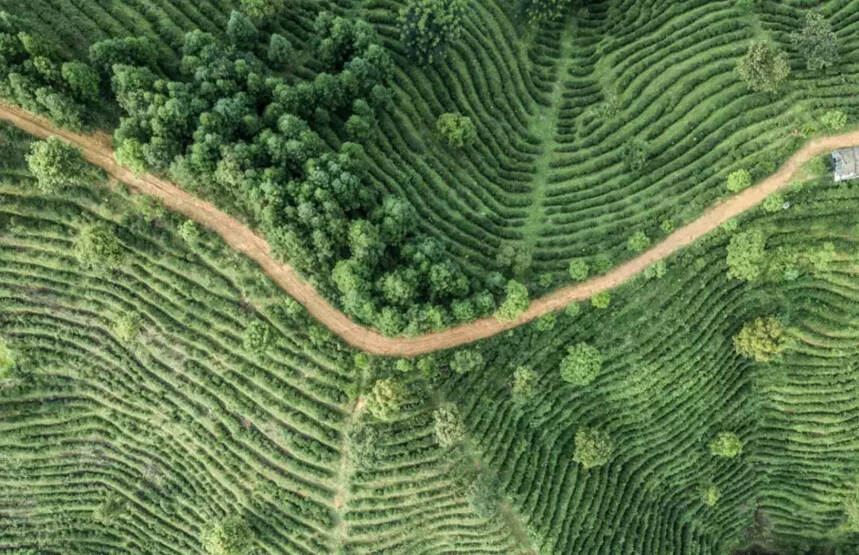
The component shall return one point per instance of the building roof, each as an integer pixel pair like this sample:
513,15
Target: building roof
846,163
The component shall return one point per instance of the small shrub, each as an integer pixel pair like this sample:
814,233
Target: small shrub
594,447
458,130
834,120
230,536
711,495
638,242
581,365
523,383
726,445
601,300
448,426
738,180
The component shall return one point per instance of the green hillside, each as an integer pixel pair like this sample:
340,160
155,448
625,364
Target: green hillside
158,394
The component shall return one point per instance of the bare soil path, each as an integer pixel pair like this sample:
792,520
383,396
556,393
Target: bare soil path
97,150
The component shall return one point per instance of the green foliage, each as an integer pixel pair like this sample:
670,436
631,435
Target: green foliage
429,27
773,203
227,536
834,120
466,360
601,300
109,509
280,51
55,164
581,365
130,153
638,242
364,441
257,337
523,383
572,310
263,9
666,225
746,255
760,339
738,180
711,495
544,11
82,79
851,511
817,42
635,153
594,447
726,445
547,321
578,269
97,248
7,360
764,67
386,399
448,426
484,495
190,232
127,328
457,130
241,30
656,270
515,302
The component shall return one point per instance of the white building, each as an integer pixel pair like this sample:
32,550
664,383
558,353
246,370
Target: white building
846,163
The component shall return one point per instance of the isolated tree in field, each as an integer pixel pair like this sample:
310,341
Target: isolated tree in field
542,11
726,445
457,129
189,231
523,383
764,67
97,248
515,302
638,241
593,447
386,399
262,9
55,163
582,364
760,339
817,42
466,360
738,180
448,426
257,337
578,269
601,300
834,120
711,494
746,255
429,27
228,536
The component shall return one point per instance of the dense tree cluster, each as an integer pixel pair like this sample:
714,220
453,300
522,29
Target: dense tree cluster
36,77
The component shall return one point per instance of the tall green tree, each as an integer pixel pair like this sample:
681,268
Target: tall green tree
760,339
817,42
55,163
429,27
515,302
98,248
764,67
228,536
594,447
582,364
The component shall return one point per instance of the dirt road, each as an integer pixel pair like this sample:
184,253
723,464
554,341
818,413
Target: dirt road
97,150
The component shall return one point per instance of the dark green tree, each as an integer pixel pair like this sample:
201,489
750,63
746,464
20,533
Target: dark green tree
241,30
457,129
82,79
429,27
280,51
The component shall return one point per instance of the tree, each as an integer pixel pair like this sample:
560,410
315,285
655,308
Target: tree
448,426
515,303
726,445
638,241
82,79
738,180
386,399
127,328
543,11
257,337
601,300
817,42
457,129
523,383
635,153
241,30
578,269
189,231
834,120
760,339
466,360
764,67
429,27
711,495
7,359
97,248
573,310
55,163
262,9
594,447
280,51
746,255
130,154
581,365
228,536
364,440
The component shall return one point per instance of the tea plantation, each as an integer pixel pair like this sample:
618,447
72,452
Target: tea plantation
424,163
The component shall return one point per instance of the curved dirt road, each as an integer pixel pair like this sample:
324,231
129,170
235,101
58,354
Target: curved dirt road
97,149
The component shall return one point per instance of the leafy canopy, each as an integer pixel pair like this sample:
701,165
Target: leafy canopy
726,445
582,364
55,163
764,67
817,42
429,27
594,447
760,339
